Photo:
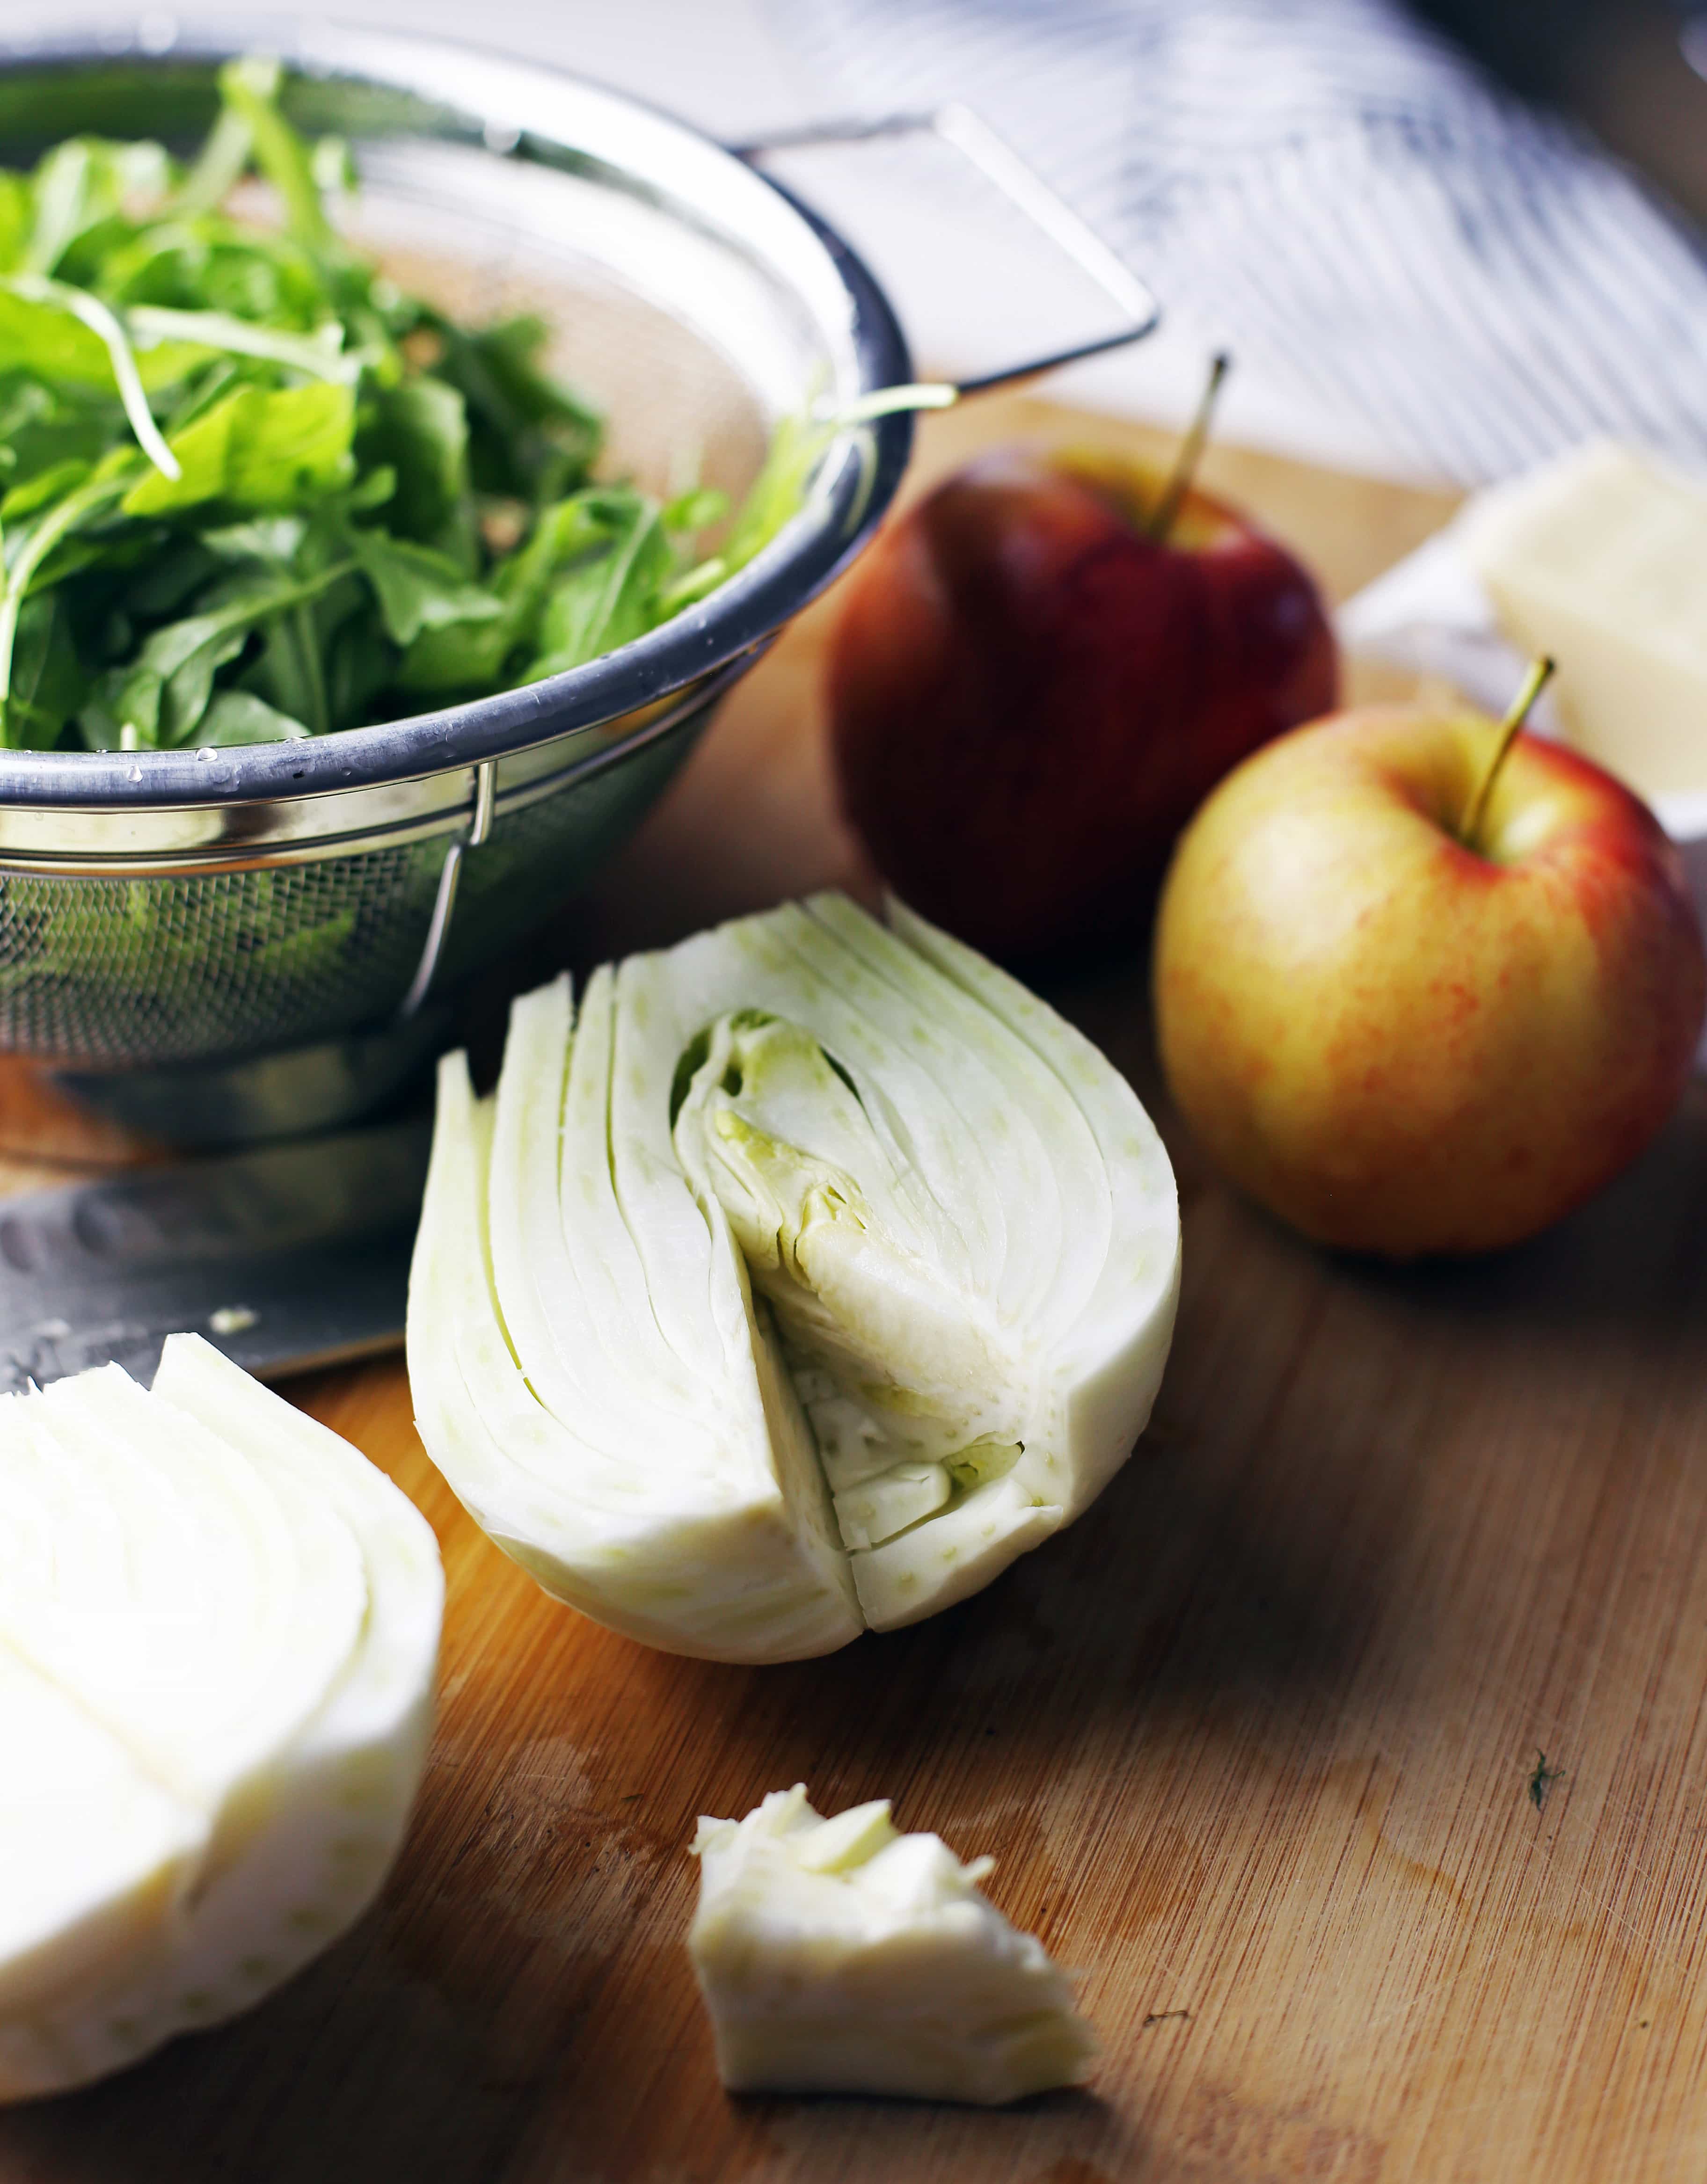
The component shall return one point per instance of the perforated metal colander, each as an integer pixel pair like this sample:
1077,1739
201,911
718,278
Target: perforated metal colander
167,917
197,907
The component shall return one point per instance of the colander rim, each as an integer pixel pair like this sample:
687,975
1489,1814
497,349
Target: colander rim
862,473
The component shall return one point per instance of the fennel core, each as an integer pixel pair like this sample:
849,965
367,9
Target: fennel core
914,1397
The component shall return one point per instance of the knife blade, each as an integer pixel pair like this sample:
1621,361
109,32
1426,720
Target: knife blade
285,1258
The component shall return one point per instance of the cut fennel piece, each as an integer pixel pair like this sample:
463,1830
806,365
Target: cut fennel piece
219,1627
738,1562
840,1956
808,1276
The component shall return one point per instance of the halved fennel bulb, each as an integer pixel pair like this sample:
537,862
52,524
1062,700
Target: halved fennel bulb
840,1956
218,1626
808,1275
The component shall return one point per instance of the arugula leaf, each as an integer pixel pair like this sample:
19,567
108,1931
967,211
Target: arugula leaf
359,662
83,184
27,553
160,698
610,598
49,680
239,716
250,88
472,656
92,316
34,493
210,263
258,448
40,427
416,588
288,668
45,339
776,495
696,509
17,218
530,437
170,578
419,429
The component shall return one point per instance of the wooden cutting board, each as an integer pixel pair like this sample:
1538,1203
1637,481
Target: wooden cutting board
1258,1744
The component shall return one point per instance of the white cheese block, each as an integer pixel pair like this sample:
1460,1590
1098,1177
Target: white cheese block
839,1956
1600,559
219,1627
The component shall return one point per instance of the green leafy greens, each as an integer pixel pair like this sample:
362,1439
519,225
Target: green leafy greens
248,492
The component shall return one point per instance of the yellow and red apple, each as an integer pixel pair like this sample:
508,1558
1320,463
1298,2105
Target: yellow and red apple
1407,1028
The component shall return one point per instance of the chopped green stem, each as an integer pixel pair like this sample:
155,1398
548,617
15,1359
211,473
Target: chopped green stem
154,322
290,595
220,166
692,584
36,288
58,524
888,401
1166,513
250,88
1534,682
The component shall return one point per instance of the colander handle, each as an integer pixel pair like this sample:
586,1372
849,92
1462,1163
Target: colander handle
482,812
958,126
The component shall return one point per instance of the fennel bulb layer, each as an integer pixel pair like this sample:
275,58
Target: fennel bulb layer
797,1283
218,1626
840,1956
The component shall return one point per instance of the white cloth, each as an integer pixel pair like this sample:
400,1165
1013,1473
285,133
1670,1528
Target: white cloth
1425,265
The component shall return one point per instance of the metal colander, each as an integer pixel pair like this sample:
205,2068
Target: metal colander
225,944
109,973
172,909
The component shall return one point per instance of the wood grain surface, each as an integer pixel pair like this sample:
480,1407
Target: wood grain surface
1256,1743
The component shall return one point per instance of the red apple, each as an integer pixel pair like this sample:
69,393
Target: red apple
1411,1011
1029,694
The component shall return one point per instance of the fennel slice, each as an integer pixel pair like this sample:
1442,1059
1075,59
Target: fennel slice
108,1854
720,1574
240,1602
295,1739
862,1281
333,1828
1025,1125
1113,1356
840,1956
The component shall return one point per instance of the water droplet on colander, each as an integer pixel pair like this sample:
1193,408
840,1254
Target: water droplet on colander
135,773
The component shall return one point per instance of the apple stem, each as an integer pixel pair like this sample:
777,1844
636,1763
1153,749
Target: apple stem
1534,682
1167,508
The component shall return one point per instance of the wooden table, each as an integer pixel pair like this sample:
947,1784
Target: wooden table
1256,1743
